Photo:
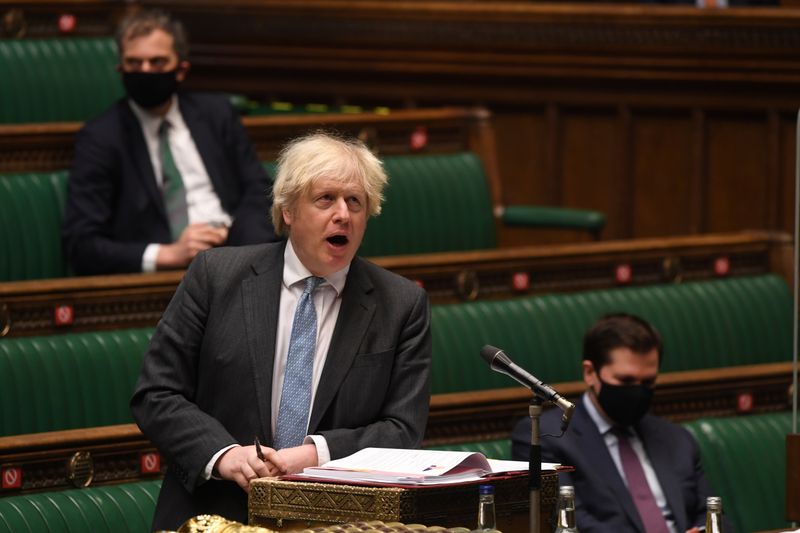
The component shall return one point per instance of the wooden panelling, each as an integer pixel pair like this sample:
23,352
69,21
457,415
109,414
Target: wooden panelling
737,172
662,168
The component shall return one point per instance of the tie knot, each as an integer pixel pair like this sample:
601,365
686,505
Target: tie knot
163,128
620,432
312,282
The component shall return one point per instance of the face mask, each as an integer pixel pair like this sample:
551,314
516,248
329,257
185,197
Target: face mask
625,404
150,89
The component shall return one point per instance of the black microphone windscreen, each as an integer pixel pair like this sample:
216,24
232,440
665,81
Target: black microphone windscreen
488,352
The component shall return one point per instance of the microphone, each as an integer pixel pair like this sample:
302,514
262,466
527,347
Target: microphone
500,362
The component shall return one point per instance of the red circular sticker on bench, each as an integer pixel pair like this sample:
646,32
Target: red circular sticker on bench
624,273
744,402
722,266
64,315
521,281
67,23
12,478
419,138
150,463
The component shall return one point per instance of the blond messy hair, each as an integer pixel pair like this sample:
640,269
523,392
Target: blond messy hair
306,160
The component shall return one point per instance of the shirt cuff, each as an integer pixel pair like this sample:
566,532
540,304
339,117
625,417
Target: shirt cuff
208,473
323,452
149,257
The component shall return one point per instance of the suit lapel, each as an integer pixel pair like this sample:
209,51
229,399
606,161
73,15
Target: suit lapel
261,295
208,146
141,157
602,463
355,315
658,450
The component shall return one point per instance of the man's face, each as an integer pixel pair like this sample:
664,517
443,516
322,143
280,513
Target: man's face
327,225
625,367
153,52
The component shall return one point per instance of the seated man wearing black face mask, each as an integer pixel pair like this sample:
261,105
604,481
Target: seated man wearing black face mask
161,175
634,472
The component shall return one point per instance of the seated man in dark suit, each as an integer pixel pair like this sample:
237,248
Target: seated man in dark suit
634,472
302,344
161,175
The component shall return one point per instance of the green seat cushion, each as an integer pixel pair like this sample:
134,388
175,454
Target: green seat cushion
127,507
492,449
31,210
59,79
69,381
744,458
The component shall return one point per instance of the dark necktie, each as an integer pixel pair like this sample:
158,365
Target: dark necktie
173,190
639,488
296,394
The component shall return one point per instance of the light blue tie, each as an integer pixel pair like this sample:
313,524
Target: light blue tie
296,394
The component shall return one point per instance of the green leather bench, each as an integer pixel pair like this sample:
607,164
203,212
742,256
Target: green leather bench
31,210
69,381
115,508
86,379
744,459
706,324
64,79
434,203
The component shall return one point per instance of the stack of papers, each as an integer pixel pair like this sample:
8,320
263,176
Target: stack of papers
414,467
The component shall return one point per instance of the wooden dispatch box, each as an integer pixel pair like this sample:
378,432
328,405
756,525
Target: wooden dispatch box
285,504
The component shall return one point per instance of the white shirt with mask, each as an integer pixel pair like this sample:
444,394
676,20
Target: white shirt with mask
202,201
612,443
327,303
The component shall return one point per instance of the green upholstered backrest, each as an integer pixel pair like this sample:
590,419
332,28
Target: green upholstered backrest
433,203
69,381
127,507
493,449
64,79
705,324
31,208
744,458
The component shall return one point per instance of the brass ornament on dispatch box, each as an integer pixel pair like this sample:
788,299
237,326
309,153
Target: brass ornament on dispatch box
80,469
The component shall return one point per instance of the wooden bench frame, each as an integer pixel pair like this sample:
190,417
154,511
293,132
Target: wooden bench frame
44,307
113,454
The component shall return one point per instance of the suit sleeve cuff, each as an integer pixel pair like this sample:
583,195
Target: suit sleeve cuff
149,257
323,453
208,473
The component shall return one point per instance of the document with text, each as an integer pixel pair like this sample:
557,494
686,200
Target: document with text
414,467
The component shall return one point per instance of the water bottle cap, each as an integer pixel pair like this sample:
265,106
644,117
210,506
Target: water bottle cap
486,489
566,490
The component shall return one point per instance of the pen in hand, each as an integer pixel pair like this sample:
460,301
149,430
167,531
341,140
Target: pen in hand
259,452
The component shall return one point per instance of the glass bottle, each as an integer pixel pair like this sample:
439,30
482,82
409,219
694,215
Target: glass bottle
486,519
565,522
713,514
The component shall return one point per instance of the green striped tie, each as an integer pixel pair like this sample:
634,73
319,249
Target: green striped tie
174,193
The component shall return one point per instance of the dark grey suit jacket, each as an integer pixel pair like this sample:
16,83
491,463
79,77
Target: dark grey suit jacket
603,501
206,379
114,207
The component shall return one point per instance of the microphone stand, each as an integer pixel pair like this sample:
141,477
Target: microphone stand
535,466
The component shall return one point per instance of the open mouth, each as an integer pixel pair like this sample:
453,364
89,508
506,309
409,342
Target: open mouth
337,240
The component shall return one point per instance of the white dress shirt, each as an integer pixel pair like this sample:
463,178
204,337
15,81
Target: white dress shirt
327,302
201,200
612,443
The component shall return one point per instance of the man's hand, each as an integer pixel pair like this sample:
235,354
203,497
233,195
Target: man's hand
299,457
241,464
194,239
693,530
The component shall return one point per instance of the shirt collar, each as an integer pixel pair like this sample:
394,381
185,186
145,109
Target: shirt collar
150,122
294,271
603,425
